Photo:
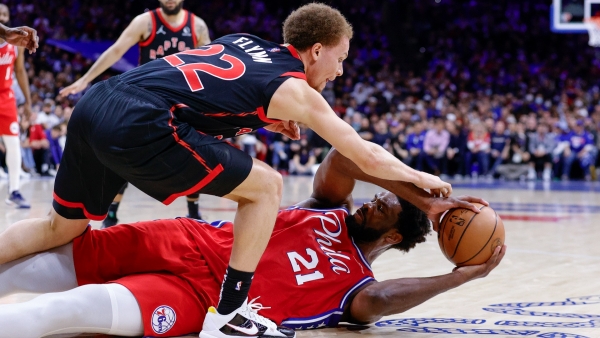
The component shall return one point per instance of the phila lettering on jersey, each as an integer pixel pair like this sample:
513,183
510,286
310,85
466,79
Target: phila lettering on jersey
223,88
8,54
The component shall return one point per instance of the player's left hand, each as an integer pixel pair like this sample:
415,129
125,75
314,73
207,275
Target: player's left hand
22,37
287,128
439,205
26,111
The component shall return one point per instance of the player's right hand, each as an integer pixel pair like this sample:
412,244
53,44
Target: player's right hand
23,37
74,88
479,271
434,184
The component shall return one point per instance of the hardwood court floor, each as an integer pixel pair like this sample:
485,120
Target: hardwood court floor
547,286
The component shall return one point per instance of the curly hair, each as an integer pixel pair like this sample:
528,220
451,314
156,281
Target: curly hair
412,224
315,22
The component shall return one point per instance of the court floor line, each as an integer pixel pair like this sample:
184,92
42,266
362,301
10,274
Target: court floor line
557,254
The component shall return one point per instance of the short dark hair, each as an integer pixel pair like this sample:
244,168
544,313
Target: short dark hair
315,22
412,224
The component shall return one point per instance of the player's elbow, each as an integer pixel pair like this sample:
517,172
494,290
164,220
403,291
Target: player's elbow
369,306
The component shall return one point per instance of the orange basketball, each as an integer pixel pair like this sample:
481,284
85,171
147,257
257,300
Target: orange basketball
467,238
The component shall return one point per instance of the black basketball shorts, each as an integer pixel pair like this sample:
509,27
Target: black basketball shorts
121,133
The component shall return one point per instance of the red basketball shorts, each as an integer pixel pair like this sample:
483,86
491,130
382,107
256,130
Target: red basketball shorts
158,261
9,124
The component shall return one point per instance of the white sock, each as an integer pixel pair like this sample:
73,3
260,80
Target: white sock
13,161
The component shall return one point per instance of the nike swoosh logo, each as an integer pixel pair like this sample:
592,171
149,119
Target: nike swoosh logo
249,331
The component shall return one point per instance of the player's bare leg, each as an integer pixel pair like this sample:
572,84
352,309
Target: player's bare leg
38,234
258,200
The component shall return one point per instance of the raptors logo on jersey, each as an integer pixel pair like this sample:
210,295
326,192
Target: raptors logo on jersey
166,39
308,271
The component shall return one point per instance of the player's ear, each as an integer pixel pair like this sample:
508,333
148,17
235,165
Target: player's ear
316,50
393,237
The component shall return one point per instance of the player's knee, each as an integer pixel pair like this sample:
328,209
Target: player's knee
274,184
64,230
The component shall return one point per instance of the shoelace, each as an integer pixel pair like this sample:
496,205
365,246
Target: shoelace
251,312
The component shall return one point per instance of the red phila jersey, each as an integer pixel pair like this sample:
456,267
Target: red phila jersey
308,271
8,54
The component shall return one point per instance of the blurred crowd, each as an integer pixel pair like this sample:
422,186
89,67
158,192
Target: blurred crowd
460,89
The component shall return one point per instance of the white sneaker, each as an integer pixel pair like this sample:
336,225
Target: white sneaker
3,174
24,174
547,175
243,322
531,174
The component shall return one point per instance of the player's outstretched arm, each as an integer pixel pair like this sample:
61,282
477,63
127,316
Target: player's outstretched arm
295,100
335,178
393,296
20,36
130,36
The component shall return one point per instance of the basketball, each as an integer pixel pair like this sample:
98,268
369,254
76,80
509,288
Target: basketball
467,238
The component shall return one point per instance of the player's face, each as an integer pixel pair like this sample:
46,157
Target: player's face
4,15
375,218
171,7
328,64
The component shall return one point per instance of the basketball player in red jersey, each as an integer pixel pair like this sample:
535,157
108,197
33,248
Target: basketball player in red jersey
160,32
161,126
321,277
12,59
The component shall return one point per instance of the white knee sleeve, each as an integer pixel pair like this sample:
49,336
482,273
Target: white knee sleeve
13,161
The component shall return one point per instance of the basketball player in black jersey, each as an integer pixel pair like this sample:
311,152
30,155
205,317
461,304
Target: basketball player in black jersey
161,127
160,32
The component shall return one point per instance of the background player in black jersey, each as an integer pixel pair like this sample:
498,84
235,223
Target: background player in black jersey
163,31
160,127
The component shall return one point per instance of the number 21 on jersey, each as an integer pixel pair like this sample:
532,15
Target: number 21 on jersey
190,70
296,259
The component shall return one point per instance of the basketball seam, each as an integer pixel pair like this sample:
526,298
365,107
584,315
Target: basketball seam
486,243
463,233
441,232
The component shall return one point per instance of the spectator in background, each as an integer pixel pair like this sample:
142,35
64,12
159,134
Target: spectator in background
303,158
39,146
46,117
381,135
500,144
53,135
541,146
435,144
398,148
414,145
455,153
518,156
579,150
478,145
280,148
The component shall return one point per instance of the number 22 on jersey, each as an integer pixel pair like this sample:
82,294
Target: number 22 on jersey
190,70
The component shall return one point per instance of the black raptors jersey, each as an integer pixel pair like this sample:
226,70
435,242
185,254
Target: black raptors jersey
165,39
222,89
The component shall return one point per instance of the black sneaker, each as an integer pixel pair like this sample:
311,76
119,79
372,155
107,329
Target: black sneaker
108,222
243,322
